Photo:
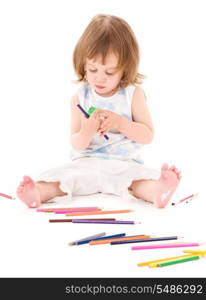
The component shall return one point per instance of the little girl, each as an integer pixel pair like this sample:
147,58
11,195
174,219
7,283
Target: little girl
105,156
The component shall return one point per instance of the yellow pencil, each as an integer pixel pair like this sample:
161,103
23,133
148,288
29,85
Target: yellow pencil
202,252
162,260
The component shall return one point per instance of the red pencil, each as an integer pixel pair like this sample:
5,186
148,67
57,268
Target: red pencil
70,220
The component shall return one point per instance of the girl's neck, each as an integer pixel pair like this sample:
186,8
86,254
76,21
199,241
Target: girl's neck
109,94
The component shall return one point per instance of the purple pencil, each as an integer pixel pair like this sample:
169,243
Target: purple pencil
102,221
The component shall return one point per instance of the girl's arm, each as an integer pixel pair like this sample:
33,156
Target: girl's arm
82,129
141,128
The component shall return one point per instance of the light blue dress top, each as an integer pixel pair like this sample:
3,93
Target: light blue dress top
118,146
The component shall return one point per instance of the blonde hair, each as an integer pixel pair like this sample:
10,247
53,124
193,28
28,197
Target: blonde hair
103,35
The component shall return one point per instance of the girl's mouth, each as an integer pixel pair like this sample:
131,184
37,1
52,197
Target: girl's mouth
99,86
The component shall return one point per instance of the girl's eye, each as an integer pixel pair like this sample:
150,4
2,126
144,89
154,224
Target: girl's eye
94,71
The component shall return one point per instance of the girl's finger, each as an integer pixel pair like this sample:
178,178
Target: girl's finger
104,125
96,113
105,114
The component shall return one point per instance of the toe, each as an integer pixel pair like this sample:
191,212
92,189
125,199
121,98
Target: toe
179,175
164,171
27,179
174,169
164,167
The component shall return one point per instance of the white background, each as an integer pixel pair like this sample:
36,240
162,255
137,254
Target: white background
37,39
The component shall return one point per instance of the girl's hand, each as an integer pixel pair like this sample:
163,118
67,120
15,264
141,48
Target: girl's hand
91,125
111,121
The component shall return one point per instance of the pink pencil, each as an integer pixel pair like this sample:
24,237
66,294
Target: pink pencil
68,209
186,198
79,210
165,246
6,196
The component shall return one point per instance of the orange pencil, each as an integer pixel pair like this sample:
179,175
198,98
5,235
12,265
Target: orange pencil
103,212
107,241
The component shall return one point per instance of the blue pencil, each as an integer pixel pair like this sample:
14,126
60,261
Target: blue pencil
98,235
87,116
146,240
100,238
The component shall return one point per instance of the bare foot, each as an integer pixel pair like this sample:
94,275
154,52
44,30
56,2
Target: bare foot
166,185
28,192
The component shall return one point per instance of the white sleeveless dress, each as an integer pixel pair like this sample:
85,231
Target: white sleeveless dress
106,166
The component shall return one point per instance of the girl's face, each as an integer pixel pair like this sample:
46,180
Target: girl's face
104,79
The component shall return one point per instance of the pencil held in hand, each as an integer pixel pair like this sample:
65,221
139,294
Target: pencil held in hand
87,116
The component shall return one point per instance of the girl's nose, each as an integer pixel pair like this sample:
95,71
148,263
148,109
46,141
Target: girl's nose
100,78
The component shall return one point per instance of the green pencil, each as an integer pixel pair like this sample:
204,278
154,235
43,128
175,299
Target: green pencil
178,261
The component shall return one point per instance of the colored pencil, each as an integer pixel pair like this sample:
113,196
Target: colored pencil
186,198
88,238
83,111
118,235
6,196
102,238
70,220
109,240
103,222
147,263
67,211
87,116
202,252
165,238
178,261
103,212
72,209
165,246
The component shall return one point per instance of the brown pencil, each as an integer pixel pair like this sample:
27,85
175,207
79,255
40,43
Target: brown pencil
70,220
